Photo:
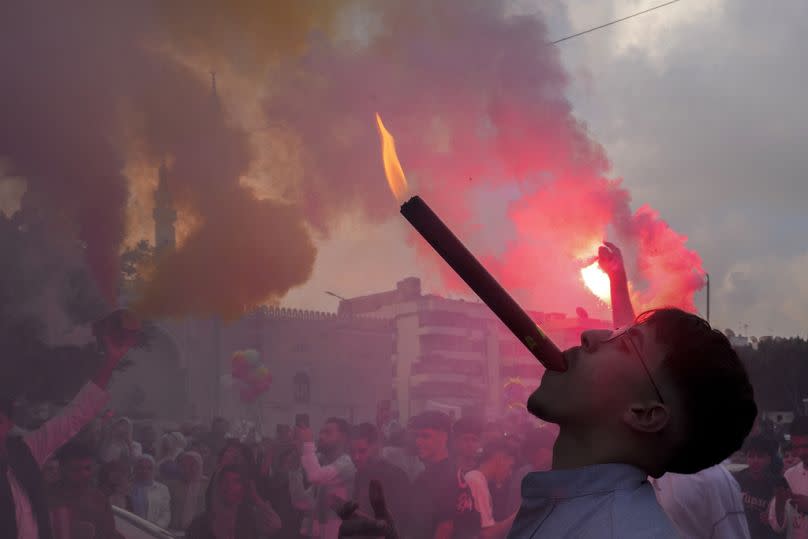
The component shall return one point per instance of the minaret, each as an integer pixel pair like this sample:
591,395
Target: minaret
165,216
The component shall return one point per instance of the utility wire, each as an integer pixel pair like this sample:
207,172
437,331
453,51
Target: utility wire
614,22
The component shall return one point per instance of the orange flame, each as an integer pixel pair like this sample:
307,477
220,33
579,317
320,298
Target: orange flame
597,282
392,167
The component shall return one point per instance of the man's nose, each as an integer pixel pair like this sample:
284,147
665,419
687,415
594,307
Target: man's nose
591,339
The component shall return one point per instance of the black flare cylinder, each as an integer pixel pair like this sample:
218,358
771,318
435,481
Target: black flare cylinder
452,250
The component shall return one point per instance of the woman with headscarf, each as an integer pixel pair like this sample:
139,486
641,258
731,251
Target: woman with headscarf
187,492
119,445
171,445
234,510
150,499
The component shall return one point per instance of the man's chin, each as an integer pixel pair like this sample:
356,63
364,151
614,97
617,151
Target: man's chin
537,406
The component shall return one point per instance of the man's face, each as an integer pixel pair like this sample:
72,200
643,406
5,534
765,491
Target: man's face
5,425
799,446
144,470
78,473
467,445
121,430
232,488
430,443
330,437
503,467
604,377
758,461
189,468
50,471
362,452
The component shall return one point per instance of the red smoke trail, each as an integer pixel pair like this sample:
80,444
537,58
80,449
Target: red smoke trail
477,102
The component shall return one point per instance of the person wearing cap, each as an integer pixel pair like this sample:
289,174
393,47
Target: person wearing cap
665,394
789,510
759,484
496,467
442,504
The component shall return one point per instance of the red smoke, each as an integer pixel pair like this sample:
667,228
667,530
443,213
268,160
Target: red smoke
477,102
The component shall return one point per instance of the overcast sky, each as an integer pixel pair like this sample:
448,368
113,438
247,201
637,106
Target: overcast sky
700,108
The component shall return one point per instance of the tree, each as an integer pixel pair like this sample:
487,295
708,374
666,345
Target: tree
778,369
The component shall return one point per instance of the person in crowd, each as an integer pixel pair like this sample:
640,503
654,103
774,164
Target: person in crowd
537,456
665,394
275,488
759,484
23,505
115,481
119,445
330,474
366,456
217,438
87,505
187,491
790,456
50,473
147,436
172,444
150,499
708,503
466,442
400,452
496,466
208,458
789,512
442,506
234,511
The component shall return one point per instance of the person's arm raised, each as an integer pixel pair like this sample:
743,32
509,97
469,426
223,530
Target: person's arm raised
610,260
85,406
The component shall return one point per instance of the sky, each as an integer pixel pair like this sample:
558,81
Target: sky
699,107
694,110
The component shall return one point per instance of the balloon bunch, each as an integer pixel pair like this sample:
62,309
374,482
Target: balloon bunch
246,367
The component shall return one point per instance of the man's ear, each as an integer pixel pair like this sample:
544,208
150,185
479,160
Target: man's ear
649,416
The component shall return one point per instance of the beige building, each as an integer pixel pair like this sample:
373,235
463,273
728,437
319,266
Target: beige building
456,355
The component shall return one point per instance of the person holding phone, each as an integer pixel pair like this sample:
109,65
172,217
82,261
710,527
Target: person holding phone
329,473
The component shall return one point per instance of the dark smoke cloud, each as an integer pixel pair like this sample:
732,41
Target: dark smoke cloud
91,85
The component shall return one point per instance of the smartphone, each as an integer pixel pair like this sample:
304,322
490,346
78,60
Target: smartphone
302,420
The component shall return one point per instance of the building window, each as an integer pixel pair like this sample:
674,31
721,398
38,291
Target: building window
302,388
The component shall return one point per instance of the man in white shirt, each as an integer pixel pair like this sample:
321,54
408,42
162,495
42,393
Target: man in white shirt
705,504
331,474
789,510
23,507
496,466
666,394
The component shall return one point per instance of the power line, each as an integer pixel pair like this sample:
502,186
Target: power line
614,22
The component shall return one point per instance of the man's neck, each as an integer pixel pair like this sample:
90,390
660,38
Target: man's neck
576,448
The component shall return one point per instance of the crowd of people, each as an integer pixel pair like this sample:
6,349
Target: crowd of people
632,441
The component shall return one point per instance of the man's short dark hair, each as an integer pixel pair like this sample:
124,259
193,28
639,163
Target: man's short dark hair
718,399
468,425
799,427
7,407
73,451
367,432
431,419
343,426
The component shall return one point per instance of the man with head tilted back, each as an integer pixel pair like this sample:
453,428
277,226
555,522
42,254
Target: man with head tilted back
666,393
